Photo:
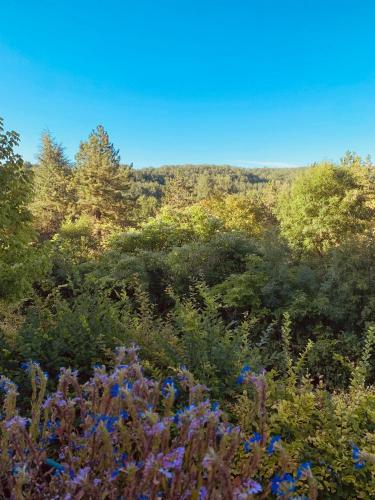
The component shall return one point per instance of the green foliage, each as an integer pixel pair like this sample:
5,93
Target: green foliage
318,426
20,264
52,196
206,267
101,184
324,206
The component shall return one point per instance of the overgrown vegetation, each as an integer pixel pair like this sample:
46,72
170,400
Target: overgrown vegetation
214,268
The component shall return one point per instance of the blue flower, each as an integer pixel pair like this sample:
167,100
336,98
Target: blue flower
282,485
27,365
242,376
128,385
304,468
167,386
115,391
203,493
359,462
115,473
255,438
124,414
271,446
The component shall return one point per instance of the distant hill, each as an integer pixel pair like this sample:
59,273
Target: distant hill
202,180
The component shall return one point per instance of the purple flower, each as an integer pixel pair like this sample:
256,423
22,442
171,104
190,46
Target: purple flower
16,422
168,474
81,476
157,428
174,459
252,487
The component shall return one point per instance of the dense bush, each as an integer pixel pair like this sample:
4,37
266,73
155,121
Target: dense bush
122,433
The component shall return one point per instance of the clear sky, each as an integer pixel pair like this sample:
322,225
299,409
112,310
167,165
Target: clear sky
244,82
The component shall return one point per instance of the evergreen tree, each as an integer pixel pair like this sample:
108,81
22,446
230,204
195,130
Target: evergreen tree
51,187
178,193
101,183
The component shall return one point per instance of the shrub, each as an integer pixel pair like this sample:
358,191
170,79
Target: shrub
121,435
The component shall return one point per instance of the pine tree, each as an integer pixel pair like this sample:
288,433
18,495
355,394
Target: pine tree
52,195
101,183
177,193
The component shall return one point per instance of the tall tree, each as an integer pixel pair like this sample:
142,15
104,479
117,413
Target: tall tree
325,205
101,183
16,231
52,195
178,193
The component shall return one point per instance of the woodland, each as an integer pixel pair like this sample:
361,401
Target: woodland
187,331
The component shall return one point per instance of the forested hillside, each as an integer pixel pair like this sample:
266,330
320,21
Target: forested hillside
258,284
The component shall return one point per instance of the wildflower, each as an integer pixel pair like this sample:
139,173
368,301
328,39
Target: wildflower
47,402
168,474
124,414
157,428
271,446
169,386
122,460
203,493
81,476
252,487
255,438
115,391
7,385
358,459
242,376
27,365
15,422
128,386
282,485
304,470
174,459
115,473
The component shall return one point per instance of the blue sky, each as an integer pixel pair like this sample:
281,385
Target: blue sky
245,82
